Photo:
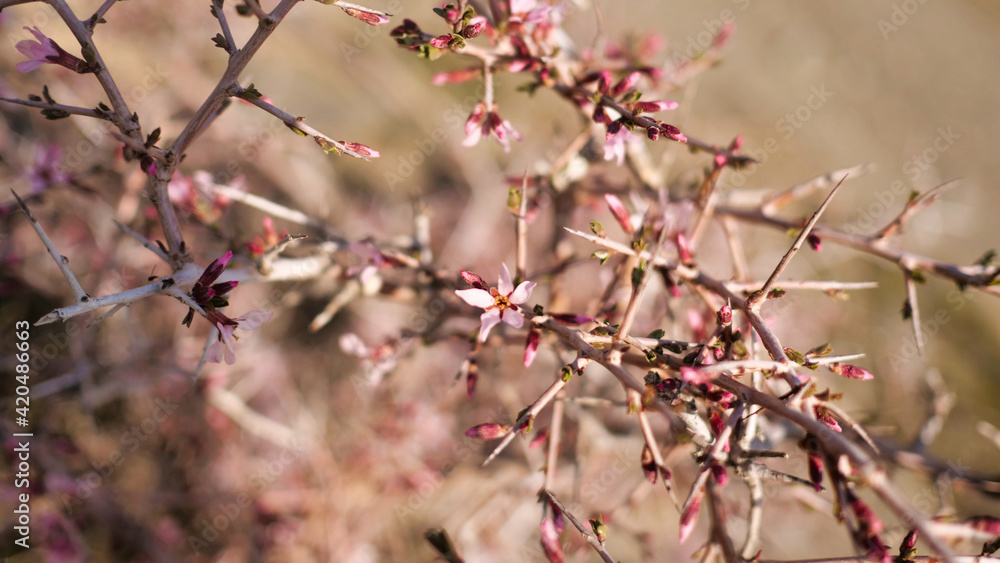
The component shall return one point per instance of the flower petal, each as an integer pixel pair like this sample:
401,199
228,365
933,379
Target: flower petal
522,293
513,318
476,297
505,286
489,319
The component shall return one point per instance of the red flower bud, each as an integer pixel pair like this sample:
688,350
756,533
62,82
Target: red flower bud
488,431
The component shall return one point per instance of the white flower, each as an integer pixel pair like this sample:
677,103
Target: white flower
501,303
228,335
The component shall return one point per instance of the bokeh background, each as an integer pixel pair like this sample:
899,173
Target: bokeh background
136,463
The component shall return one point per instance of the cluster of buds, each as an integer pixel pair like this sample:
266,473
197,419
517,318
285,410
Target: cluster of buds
211,296
482,123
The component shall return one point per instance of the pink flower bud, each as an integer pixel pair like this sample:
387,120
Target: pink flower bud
725,315
695,375
689,517
618,210
653,133
571,319
441,41
663,105
603,81
851,372
474,280
550,542
457,76
475,27
531,346
816,471
600,116
814,241
488,431
362,150
719,474
370,17
475,118
672,133
683,250
625,84
823,416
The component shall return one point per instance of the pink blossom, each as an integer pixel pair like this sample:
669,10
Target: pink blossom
481,123
528,11
47,170
45,51
501,303
616,141
230,333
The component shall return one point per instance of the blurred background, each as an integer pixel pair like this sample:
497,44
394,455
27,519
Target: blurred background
303,452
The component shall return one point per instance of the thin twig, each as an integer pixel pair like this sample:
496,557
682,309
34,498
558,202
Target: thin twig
299,124
912,310
590,536
87,112
61,261
224,24
759,296
526,416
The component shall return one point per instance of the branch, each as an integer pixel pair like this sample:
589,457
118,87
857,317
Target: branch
74,110
760,295
61,261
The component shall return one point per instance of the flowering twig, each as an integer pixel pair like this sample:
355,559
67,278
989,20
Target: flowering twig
327,143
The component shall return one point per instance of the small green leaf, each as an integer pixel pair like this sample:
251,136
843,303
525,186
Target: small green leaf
918,276
220,41
88,54
795,356
820,351
987,259
597,228
514,200
601,255
566,373
657,334
153,137
250,93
